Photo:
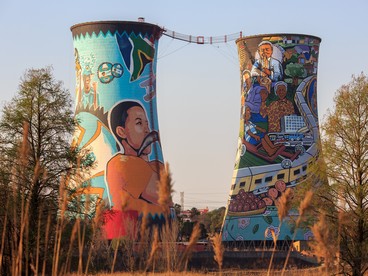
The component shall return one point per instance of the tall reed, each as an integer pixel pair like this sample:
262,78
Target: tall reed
96,223
274,238
39,250
165,190
322,246
3,234
284,205
304,206
218,249
154,248
189,249
65,241
20,225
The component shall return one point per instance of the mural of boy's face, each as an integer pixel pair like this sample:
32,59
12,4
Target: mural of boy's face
247,113
136,128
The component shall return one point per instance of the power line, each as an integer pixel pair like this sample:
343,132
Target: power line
160,57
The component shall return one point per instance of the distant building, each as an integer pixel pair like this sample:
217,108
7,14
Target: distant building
203,211
186,215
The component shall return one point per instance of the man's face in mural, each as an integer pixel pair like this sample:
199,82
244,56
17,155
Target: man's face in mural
87,83
265,51
281,92
135,130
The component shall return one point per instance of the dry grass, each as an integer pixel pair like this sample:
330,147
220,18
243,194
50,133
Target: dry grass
154,248
322,246
155,253
218,248
20,257
284,204
304,206
165,188
189,249
274,238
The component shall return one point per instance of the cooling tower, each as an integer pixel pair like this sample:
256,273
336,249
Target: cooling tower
278,134
115,66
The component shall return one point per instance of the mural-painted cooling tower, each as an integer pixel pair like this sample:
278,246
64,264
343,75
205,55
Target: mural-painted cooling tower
115,63
278,134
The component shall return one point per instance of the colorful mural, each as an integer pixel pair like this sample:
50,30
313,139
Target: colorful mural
278,134
115,65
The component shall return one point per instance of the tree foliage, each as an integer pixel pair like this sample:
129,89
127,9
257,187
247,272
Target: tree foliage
36,163
345,150
213,220
295,71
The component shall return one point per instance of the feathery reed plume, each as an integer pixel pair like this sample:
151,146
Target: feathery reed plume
128,242
284,204
165,188
38,240
169,237
98,214
283,207
155,246
3,233
96,222
143,231
192,242
304,206
24,224
17,178
144,238
273,234
218,248
322,246
115,243
81,238
59,226
72,239
274,238
344,219
124,201
46,242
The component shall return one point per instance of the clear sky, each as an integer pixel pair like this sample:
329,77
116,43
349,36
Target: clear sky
198,86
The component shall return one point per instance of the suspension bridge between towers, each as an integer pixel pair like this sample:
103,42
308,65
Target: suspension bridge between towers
202,39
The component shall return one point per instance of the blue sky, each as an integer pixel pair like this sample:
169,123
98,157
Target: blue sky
198,85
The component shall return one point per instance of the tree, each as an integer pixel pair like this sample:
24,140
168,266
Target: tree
186,230
213,220
345,150
37,160
295,71
194,213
